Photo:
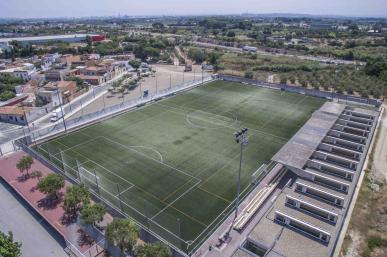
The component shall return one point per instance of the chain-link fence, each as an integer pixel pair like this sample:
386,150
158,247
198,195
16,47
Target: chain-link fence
305,91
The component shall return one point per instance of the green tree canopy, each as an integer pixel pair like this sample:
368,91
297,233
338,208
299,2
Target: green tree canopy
197,54
25,163
153,250
76,197
9,248
135,64
51,184
92,214
122,233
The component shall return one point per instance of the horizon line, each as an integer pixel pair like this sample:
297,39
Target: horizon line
384,16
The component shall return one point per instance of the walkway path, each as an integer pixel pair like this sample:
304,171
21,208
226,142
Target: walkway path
36,238
52,212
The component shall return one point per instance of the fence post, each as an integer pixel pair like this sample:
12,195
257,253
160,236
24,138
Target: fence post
119,197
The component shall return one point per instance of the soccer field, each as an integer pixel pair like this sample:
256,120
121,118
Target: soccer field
174,163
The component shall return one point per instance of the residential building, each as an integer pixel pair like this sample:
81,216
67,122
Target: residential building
71,38
13,114
56,74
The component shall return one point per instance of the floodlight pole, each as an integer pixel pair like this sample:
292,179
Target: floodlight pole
240,138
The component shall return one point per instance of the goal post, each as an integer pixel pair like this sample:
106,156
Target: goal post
89,178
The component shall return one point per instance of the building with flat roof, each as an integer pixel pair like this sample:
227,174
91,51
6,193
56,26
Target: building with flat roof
70,38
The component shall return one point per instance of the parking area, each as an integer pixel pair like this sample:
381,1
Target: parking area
165,76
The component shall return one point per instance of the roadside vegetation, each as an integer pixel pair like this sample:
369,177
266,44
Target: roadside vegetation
366,81
7,86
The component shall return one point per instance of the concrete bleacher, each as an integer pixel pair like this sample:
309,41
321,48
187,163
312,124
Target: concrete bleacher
325,157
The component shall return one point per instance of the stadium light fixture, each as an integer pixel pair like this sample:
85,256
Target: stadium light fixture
240,138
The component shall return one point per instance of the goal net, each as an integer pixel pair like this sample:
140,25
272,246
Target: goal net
89,178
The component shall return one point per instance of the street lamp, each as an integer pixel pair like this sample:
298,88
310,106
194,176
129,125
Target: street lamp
240,138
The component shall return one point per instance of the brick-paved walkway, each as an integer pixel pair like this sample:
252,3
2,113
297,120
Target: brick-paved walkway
52,212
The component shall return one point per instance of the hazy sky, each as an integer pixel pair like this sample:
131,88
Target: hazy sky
80,8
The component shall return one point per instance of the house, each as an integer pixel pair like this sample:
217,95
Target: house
56,74
13,114
58,92
92,80
25,71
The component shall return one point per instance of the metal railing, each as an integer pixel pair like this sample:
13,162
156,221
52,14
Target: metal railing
304,91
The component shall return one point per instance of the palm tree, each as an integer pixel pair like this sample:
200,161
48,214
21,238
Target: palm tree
122,233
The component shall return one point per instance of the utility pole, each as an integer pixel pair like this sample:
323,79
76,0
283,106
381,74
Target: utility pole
61,108
156,83
202,77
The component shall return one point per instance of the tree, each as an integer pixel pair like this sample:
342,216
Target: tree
6,95
9,248
153,250
79,81
25,163
51,184
76,197
92,214
249,74
36,174
158,25
135,64
196,54
231,34
122,233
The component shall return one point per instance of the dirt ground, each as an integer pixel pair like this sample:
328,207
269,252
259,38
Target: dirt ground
165,76
367,233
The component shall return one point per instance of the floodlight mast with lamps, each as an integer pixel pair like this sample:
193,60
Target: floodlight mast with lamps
240,138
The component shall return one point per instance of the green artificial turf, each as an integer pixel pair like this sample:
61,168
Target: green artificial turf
174,163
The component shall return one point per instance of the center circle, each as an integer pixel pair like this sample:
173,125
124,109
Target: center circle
206,120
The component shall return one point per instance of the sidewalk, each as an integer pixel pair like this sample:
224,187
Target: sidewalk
52,212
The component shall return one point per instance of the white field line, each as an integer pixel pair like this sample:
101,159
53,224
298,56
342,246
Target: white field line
88,172
293,105
146,156
127,189
215,219
150,148
187,118
113,173
171,203
77,145
124,203
182,112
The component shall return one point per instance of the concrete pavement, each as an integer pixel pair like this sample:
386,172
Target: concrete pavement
36,236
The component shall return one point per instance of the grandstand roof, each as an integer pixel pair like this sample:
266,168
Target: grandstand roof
301,146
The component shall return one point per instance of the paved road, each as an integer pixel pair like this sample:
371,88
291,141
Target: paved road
28,229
